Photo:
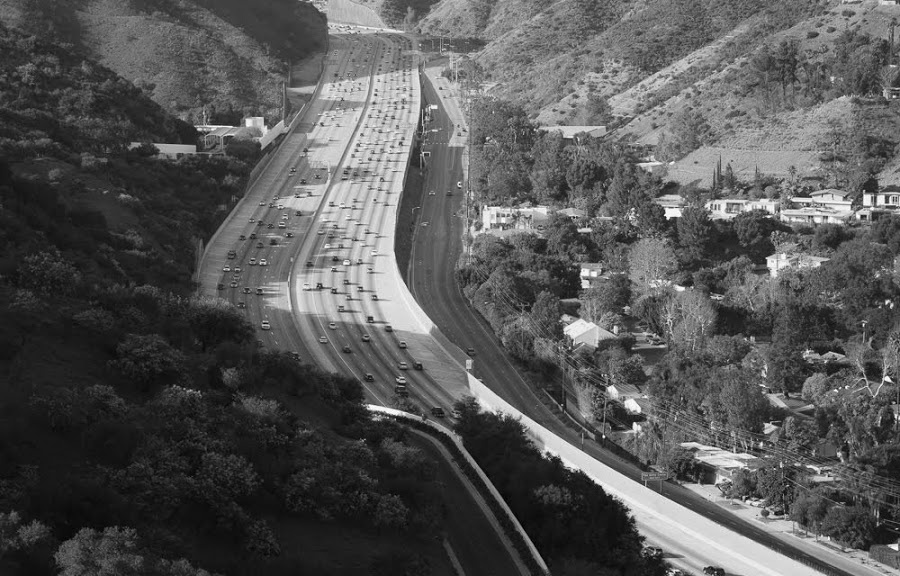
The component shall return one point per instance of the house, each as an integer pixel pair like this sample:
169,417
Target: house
888,197
638,405
827,358
719,464
623,392
781,261
573,214
169,151
728,208
590,272
574,133
503,218
672,205
581,332
815,215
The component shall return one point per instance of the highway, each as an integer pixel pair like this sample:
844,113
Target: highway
308,254
437,248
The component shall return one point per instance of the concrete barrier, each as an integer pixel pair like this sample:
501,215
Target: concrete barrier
495,494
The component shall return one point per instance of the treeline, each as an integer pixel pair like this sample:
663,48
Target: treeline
577,527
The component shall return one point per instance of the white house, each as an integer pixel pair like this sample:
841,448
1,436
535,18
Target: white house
503,218
889,197
728,208
572,132
637,405
590,272
816,215
169,151
623,392
572,213
581,332
781,261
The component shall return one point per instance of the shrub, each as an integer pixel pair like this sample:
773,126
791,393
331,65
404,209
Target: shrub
830,29
847,13
812,34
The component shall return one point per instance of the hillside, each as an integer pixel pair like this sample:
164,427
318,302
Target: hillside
144,430
758,77
227,56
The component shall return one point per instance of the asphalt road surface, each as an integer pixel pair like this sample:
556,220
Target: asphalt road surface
436,250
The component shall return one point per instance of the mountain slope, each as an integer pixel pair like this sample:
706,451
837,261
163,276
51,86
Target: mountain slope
227,56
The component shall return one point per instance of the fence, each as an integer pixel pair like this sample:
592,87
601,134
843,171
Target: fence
521,540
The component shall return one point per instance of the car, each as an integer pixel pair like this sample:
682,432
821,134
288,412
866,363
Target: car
438,412
303,180
327,246
309,263
335,259
252,262
449,192
259,244
369,377
233,284
346,262
366,338
298,213
246,290
402,343
400,380
417,365
459,184
252,220
242,237
332,326
241,304
270,226
675,572
253,236
226,269
340,307
220,286
259,291
265,325
403,366
346,349
237,270
470,351
320,232
282,225
288,234
263,262
346,281
388,328
306,286
714,571
374,252
232,254
374,296
323,340
261,204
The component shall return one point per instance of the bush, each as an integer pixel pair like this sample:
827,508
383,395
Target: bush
812,34
764,512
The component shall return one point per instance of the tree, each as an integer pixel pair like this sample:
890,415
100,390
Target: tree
48,273
112,552
545,314
688,131
852,526
754,231
809,510
391,512
610,295
815,387
147,359
548,171
598,109
16,536
651,262
215,320
743,404
690,318
695,232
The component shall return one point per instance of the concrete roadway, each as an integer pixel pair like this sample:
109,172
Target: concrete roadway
436,250
359,121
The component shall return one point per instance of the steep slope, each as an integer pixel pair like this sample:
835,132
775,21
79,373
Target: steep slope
229,57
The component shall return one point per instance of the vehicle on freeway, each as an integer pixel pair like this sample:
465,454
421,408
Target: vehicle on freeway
226,269
346,349
675,572
242,237
263,262
403,366
265,325
246,290
270,226
714,571
417,365
340,307
234,284
459,184
400,380
388,328
470,351
438,412
306,286
374,296
220,286
332,325
323,340
241,304
366,338
288,234
253,235
369,377
403,344
252,220
282,225
232,254
263,203
259,244
309,263
259,291
252,262
346,281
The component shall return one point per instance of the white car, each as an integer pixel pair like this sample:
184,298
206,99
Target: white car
400,380
266,325
226,269
323,340
327,246
332,325
374,252
263,262
403,343
306,286
252,262
346,263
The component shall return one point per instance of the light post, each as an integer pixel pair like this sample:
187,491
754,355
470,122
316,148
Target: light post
864,324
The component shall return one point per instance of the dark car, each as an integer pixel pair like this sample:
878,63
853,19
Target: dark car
220,286
253,236
270,225
346,349
369,377
438,412
309,263
714,571
242,237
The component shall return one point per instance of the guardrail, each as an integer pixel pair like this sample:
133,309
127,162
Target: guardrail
528,552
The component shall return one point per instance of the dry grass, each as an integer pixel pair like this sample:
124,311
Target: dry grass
697,167
348,12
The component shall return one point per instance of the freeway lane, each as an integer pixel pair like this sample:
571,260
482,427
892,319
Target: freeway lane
437,248
359,121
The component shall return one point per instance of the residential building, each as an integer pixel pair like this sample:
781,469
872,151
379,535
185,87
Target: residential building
590,272
581,332
672,205
720,465
816,215
637,405
728,208
781,261
573,133
888,197
504,218
169,151
623,392
573,214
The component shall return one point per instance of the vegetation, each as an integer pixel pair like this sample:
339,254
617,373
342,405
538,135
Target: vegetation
143,430
203,59
576,526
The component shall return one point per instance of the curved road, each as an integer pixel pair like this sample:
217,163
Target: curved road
436,249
